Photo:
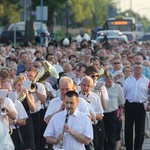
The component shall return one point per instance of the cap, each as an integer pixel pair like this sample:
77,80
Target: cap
66,42
86,37
79,39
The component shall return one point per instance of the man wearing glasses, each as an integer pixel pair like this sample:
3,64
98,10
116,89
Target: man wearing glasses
116,63
95,102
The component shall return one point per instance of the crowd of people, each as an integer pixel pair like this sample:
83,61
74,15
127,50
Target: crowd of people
100,101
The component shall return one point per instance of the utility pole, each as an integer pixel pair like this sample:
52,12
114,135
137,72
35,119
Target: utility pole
67,15
41,38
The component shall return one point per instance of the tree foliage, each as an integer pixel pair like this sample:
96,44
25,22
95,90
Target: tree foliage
81,12
9,12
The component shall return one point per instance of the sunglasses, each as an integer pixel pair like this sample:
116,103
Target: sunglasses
116,63
93,76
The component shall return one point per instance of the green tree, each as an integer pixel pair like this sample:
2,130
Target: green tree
9,12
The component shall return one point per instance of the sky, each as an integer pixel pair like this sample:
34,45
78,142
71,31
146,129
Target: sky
140,6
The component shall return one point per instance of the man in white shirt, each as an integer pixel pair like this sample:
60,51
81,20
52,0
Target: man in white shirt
69,132
95,102
135,90
57,104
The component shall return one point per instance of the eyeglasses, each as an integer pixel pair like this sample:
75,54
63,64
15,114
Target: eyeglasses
93,76
116,63
89,86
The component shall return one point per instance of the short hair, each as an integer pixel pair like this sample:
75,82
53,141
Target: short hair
91,69
108,77
4,73
83,65
138,63
31,68
22,53
71,94
87,78
66,79
95,58
139,54
126,68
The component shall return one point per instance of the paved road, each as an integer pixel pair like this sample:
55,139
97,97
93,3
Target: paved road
146,145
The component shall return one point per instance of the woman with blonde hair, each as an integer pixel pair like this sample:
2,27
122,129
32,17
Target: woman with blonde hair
27,130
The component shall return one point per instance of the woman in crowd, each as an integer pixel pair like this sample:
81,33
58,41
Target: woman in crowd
27,130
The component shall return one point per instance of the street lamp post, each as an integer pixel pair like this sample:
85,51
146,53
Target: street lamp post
67,15
41,28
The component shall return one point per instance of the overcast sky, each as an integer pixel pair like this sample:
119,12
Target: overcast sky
141,6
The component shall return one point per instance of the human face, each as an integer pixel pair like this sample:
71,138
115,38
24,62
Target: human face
71,103
82,72
127,72
62,62
31,75
94,76
119,76
96,64
3,80
24,58
108,82
137,69
86,86
116,64
64,88
18,86
137,59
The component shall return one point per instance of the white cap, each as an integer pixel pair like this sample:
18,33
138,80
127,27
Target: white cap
79,39
86,37
66,42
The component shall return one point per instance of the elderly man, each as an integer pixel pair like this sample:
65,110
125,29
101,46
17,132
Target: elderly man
57,104
95,102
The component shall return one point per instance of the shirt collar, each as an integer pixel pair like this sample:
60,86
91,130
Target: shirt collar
76,113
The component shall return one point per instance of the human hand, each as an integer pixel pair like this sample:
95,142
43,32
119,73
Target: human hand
1,101
68,129
60,137
62,107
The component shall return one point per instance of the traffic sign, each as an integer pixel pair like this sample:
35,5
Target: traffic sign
41,15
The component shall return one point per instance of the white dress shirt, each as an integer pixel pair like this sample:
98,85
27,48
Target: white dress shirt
37,102
9,103
20,112
78,122
136,90
55,104
49,88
